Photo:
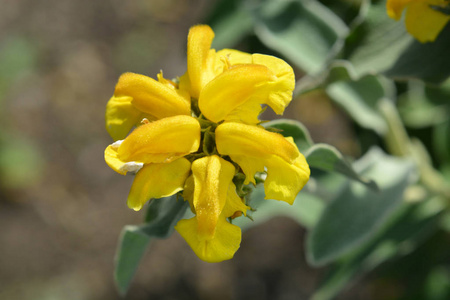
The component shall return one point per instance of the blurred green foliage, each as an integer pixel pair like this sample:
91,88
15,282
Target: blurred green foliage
17,55
21,163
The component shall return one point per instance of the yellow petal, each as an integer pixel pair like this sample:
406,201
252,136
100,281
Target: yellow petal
222,247
280,91
157,181
285,180
241,139
234,203
150,96
240,90
212,177
233,88
121,116
395,8
161,141
200,58
423,22
254,148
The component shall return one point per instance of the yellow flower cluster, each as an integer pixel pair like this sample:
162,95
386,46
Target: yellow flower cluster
197,134
423,19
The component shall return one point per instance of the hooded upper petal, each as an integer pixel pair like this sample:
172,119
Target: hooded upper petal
204,65
254,148
242,88
157,181
280,90
236,86
161,141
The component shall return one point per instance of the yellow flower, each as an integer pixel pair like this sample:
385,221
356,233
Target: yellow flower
203,132
423,20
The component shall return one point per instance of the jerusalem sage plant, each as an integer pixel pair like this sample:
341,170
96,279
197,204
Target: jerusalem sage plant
196,141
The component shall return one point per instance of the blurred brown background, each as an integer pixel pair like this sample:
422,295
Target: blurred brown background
61,207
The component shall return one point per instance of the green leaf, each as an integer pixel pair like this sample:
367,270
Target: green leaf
21,162
341,70
17,55
423,106
162,215
361,98
378,42
441,140
362,14
429,61
350,12
132,245
438,284
328,158
418,109
293,129
405,231
231,26
357,213
338,70
304,31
